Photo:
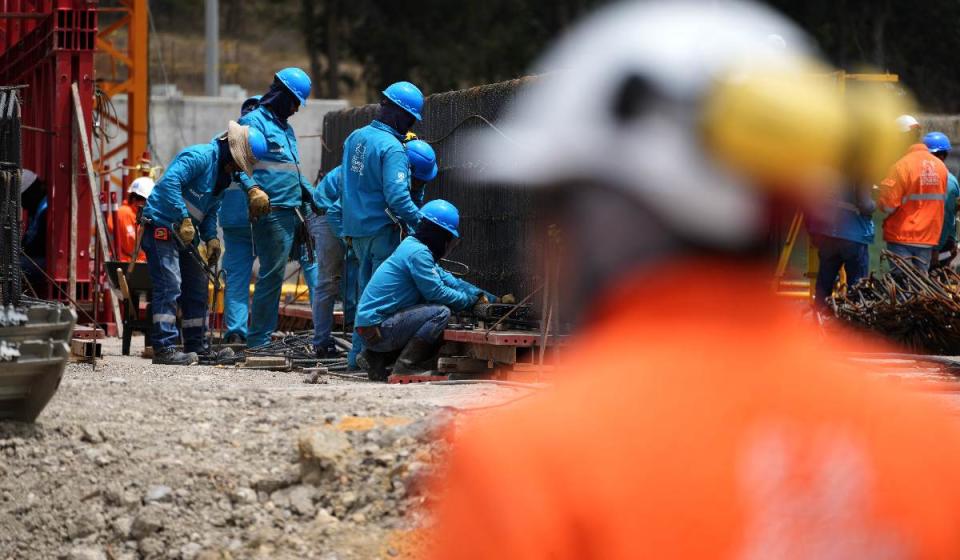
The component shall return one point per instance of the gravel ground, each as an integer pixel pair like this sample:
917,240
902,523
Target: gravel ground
140,461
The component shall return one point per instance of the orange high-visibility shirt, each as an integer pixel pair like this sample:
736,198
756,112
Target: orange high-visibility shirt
698,418
913,194
127,231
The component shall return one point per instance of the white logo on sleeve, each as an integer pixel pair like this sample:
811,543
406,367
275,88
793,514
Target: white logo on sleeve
401,176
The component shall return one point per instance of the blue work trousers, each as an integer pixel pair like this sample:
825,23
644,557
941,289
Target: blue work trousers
836,253
917,256
329,255
425,322
175,276
371,252
272,238
350,294
238,257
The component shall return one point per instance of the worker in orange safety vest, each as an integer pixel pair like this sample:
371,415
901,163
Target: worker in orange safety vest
126,227
913,196
694,415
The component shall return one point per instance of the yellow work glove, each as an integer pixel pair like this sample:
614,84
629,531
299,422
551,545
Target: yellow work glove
258,203
508,299
410,136
213,251
186,232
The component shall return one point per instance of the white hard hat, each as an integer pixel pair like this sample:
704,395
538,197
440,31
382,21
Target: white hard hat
27,179
906,123
580,120
142,186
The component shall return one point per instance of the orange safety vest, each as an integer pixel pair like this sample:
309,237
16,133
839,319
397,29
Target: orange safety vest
703,420
127,230
913,195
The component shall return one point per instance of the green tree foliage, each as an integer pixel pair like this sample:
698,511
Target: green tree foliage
917,40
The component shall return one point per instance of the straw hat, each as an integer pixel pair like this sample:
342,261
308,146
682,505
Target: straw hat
238,140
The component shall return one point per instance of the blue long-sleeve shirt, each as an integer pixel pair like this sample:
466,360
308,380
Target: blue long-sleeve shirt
187,189
376,177
410,277
278,172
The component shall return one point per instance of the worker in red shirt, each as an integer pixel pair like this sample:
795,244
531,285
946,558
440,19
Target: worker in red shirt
693,415
913,196
127,226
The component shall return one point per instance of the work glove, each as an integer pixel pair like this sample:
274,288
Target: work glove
508,299
410,136
186,232
213,251
258,203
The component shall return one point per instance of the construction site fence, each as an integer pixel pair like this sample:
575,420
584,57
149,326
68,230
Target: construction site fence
10,177
500,241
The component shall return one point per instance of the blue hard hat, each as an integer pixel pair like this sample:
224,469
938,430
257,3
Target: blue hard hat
937,142
249,104
258,143
407,96
423,160
296,81
443,214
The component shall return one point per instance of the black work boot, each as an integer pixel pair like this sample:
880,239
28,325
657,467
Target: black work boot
209,356
376,364
170,356
328,352
415,358
236,338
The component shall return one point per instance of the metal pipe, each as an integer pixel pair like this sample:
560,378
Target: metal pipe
212,78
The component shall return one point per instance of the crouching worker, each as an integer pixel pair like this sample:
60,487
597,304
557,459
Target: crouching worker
407,303
185,200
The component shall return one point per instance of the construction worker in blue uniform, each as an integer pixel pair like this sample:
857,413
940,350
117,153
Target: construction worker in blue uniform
423,168
238,253
187,200
376,198
842,230
946,251
275,195
407,304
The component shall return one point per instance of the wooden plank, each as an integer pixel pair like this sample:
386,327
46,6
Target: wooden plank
95,199
87,332
74,203
449,364
84,348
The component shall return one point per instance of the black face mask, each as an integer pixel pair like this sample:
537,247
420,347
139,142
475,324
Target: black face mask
279,100
224,158
434,237
396,118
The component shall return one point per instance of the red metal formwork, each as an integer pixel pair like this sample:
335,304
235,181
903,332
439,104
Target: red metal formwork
47,45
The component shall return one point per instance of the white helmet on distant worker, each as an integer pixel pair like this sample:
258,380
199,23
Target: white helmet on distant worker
142,186
689,107
906,123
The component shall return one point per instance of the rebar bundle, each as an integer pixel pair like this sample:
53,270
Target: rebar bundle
10,176
918,310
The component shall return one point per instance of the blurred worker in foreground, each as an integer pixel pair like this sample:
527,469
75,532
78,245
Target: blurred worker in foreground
275,193
186,200
407,303
238,253
939,145
126,227
695,416
376,185
912,195
842,230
